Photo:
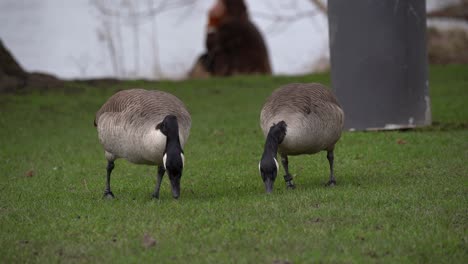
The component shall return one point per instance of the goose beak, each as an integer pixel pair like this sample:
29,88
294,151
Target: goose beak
175,194
268,185
175,185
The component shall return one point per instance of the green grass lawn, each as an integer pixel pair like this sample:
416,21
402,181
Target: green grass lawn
394,202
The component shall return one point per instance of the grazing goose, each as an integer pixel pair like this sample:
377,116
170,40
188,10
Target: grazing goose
298,119
145,127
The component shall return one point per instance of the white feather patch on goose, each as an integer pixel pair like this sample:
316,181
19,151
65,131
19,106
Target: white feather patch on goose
276,163
181,156
183,159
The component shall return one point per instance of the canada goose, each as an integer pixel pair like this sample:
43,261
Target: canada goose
298,119
145,127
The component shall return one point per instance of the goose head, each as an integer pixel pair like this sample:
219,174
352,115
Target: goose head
173,158
268,165
268,168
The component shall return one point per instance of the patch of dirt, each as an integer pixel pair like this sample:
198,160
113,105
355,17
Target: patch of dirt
148,241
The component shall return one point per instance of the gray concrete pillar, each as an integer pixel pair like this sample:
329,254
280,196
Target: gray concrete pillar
379,62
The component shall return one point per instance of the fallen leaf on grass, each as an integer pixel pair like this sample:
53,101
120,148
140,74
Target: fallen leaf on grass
148,241
217,132
401,141
315,220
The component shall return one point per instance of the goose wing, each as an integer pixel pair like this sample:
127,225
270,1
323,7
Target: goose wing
303,99
151,106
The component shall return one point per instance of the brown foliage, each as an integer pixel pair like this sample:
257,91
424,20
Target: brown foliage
14,78
234,45
447,46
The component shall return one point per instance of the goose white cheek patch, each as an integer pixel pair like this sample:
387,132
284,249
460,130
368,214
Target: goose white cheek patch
276,163
183,159
181,156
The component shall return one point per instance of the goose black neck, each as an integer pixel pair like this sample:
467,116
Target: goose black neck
271,145
274,138
173,141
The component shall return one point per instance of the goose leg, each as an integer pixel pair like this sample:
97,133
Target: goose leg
108,193
332,181
161,172
288,177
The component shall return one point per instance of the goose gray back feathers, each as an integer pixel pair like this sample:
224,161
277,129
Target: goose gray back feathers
313,116
127,122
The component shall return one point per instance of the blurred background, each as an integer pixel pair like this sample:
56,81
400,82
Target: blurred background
161,39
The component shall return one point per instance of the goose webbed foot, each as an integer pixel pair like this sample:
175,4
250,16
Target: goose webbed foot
290,185
331,183
289,181
108,195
